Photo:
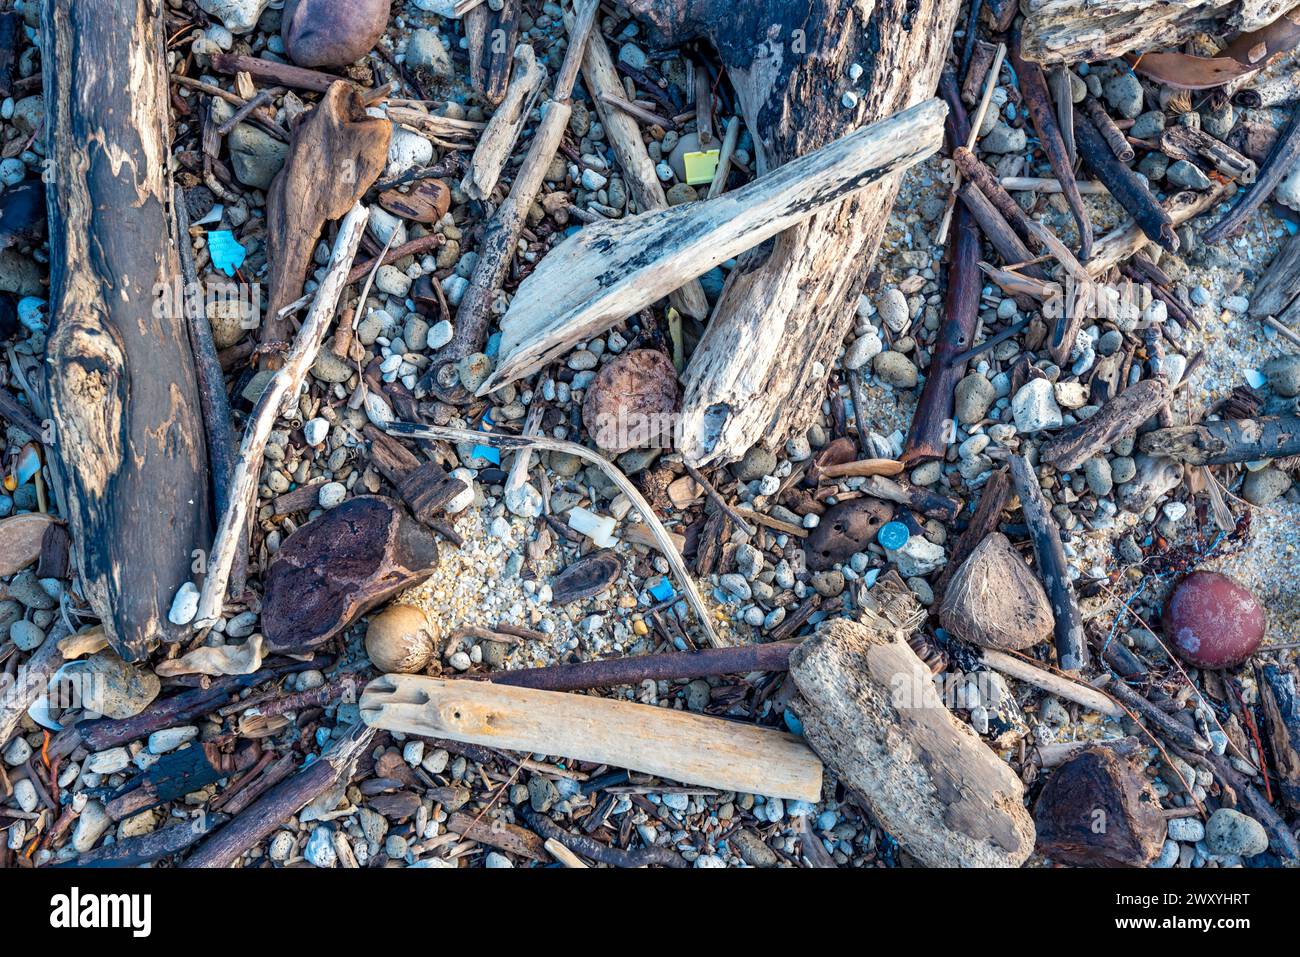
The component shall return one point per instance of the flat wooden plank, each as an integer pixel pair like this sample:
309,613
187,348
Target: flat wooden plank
680,746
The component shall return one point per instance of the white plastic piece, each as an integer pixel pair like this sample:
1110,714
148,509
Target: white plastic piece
599,528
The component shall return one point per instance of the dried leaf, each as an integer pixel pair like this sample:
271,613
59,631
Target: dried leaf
1246,54
337,152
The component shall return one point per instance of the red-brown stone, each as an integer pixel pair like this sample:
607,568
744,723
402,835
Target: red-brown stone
1213,622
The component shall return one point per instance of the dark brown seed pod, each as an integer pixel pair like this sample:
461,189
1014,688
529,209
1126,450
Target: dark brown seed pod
587,577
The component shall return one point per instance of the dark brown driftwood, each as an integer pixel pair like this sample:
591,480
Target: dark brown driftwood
337,136
179,773
134,851
178,709
263,816
1129,191
1119,417
425,486
672,666
1280,707
1228,440
273,71
973,169
131,468
804,287
1096,811
1033,87
999,231
338,567
1071,652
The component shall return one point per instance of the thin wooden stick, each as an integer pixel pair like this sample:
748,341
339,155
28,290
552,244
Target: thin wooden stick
1090,698
665,541
977,120
283,386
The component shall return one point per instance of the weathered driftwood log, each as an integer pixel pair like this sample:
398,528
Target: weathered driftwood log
1033,86
179,773
134,851
1122,242
1113,135
282,389
1277,291
130,463
1181,142
1068,31
1281,159
1119,417
502,132
786,61
674,665
338,136
994,600
684,747
1228,440
609,270
338,567
1281,710
1071,652
1096,811
870,708
624,135
257,821
932,425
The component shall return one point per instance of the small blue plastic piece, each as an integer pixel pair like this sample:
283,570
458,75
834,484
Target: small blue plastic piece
662,590
893,535
486,452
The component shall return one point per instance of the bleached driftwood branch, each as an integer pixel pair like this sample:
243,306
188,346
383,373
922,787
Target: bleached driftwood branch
283,386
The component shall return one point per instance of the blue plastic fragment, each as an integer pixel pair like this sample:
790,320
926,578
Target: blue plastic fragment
662,590
226,251
893,535
793,723
486,452
869,577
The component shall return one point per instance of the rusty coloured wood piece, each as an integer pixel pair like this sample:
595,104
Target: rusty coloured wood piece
1112,134
1033,87
931,426
1228,440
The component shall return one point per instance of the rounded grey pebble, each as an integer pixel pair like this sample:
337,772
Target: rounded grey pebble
1230,832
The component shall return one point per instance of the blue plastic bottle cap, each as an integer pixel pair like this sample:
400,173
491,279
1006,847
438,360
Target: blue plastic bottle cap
893,535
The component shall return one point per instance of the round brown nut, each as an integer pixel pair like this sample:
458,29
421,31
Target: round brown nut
400,640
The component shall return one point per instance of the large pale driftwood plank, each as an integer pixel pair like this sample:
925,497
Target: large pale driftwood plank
691,748
609,270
